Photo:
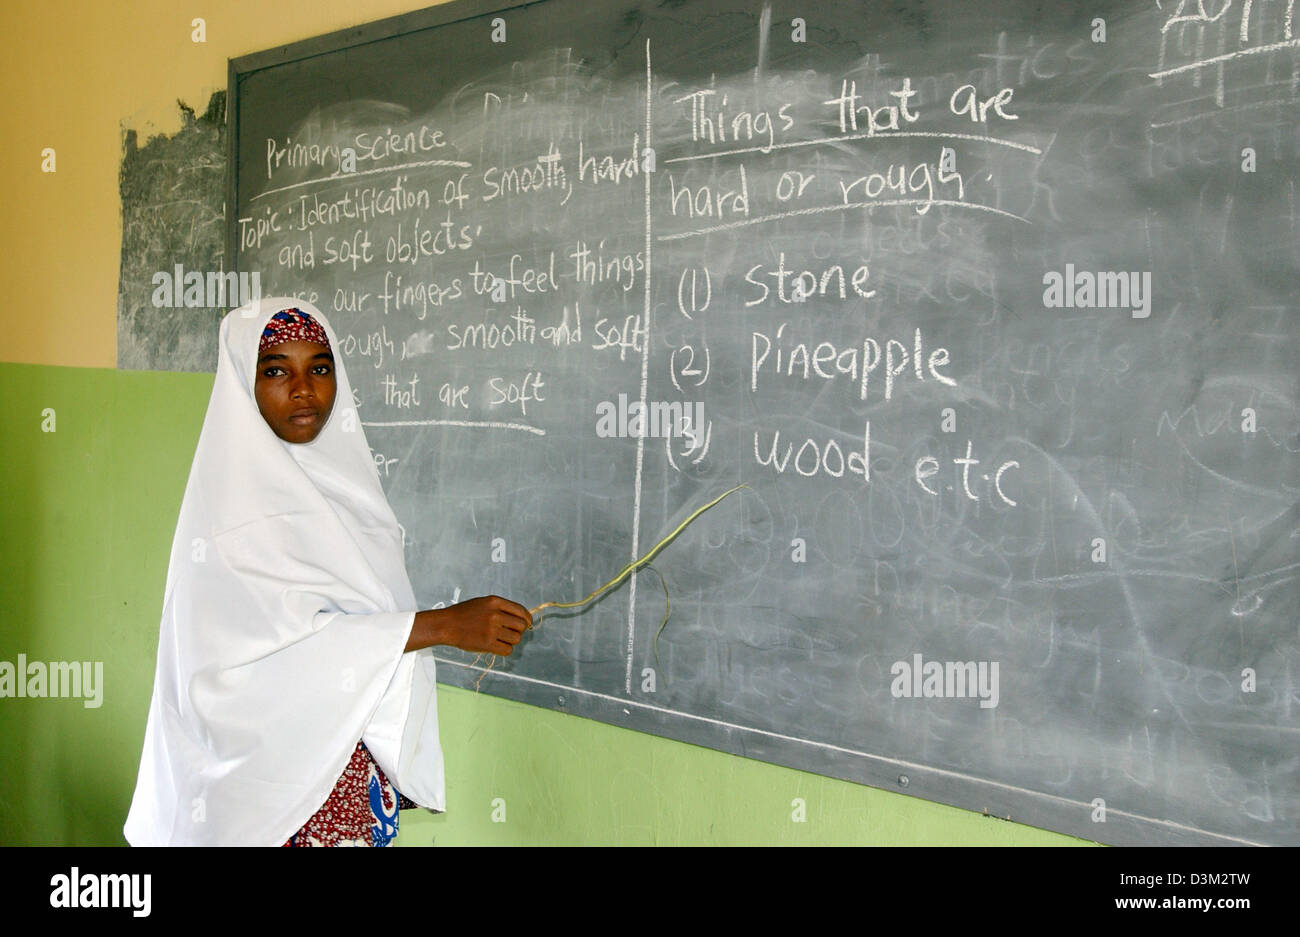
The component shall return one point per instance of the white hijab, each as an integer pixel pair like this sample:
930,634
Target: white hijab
286,612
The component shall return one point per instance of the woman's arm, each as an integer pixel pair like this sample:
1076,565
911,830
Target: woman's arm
489,623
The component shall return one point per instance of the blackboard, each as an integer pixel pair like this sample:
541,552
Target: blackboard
173,221
991,306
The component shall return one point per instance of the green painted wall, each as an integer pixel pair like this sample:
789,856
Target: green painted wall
86,524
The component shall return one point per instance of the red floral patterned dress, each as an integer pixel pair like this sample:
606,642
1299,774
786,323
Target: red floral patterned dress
360,811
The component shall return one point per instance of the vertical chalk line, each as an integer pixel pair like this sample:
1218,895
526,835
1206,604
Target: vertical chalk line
1295,63
1200,53
645,375
1219,84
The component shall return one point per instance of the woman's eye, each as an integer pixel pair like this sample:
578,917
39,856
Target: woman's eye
322,369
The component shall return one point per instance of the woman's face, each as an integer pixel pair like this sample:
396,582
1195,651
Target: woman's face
295,389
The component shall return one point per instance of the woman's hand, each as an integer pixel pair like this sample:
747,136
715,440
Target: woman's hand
486,624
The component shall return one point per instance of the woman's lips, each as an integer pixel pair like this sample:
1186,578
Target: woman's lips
303,417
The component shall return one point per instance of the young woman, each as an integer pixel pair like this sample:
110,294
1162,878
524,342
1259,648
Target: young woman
295,692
